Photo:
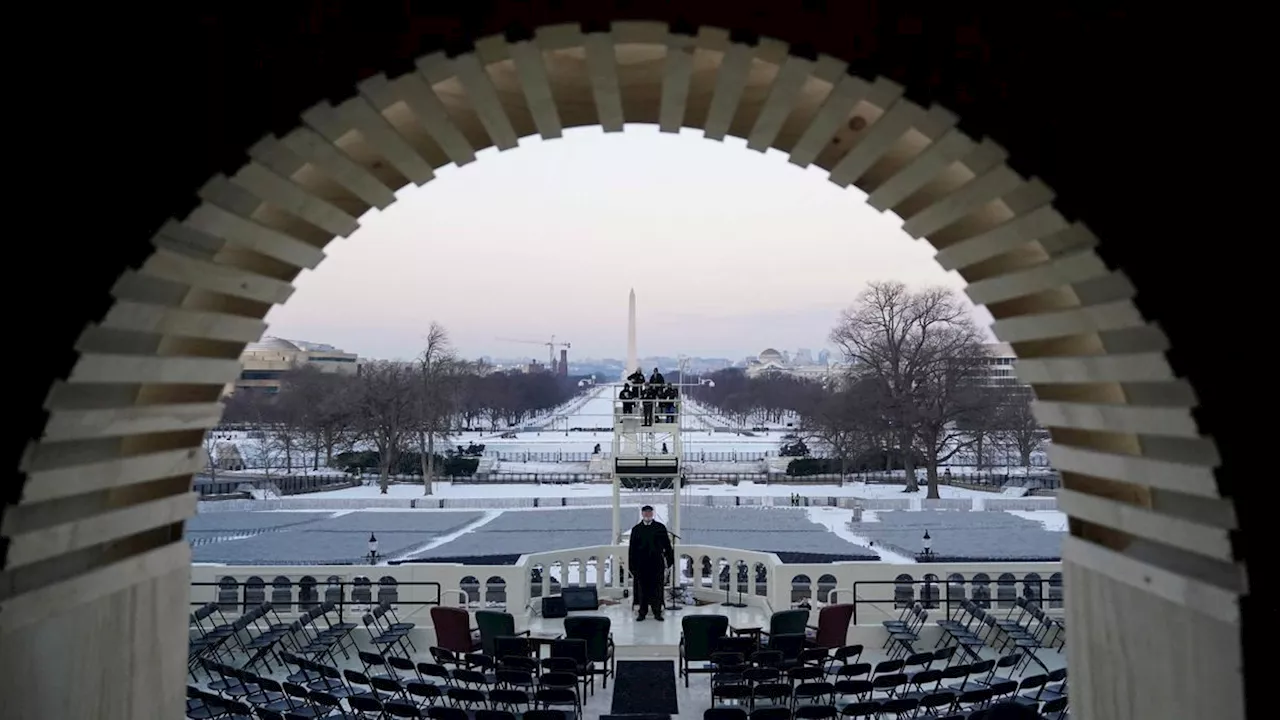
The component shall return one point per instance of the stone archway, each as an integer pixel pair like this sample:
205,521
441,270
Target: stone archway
91,538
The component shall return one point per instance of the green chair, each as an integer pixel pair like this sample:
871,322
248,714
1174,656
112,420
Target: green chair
597,632
698,637
786,622
493,625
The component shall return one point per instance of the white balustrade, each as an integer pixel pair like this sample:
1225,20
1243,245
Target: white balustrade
976,504
879,589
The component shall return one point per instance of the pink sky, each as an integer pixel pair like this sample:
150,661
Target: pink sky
729,251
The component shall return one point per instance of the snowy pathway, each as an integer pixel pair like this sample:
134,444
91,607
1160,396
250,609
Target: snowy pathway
442,539
836,520
1053,520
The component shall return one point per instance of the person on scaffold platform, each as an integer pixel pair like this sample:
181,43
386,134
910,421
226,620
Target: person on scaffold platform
649,555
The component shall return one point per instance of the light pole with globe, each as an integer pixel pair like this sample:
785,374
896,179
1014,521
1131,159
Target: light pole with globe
926,545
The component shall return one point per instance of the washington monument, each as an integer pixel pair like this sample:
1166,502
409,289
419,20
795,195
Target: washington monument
633,362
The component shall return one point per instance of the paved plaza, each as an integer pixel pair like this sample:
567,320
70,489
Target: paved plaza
252,538
958,535
291,538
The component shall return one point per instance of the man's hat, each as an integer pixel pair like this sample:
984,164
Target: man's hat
647,508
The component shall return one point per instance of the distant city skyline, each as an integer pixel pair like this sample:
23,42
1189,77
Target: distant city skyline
729,251
541,357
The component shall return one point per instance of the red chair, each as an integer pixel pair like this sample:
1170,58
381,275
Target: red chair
454,631
833,626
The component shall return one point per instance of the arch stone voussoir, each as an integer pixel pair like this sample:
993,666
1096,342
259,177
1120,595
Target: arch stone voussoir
106,487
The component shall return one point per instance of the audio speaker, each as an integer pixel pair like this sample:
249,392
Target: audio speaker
580,598
553,607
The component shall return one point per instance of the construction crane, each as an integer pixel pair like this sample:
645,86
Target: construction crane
551,346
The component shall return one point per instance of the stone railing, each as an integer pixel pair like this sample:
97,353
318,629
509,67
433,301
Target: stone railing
632,498
879,590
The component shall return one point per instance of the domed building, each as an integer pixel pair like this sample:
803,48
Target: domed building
769,360
772,361
264,362
269,345
771,356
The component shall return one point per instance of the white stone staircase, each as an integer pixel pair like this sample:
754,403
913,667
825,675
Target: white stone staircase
485,467
777,465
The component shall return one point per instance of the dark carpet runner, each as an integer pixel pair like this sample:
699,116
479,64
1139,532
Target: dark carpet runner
645,687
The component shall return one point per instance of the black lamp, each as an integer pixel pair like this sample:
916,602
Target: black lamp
373,549
926,543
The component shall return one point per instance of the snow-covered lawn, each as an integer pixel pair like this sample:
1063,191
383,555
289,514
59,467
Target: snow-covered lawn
1053,520
549,441
553,447
705,415
541,467
598,496
604,490
280,472
692,465
441,540
726,468
837,521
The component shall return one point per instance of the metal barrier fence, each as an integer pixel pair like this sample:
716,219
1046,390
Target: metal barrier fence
630,496
557,456
992,480
951,591
287,485
532,478
551,478
241,597
1040,477
205,486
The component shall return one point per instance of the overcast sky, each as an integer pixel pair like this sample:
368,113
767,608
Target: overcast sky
729,251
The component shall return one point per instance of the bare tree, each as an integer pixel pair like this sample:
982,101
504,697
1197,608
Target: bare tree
979,425
438,380
260,413
321,403
844,422
288,427
1017,427
771,397
949,393
384,404
495,413
241,407
506,398
879,337
266,453
471,394
924,350
211,453
983,422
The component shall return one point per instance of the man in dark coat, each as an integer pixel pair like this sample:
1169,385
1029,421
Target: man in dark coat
627,393
649,556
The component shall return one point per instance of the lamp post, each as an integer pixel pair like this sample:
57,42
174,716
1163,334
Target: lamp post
373,549
926,544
